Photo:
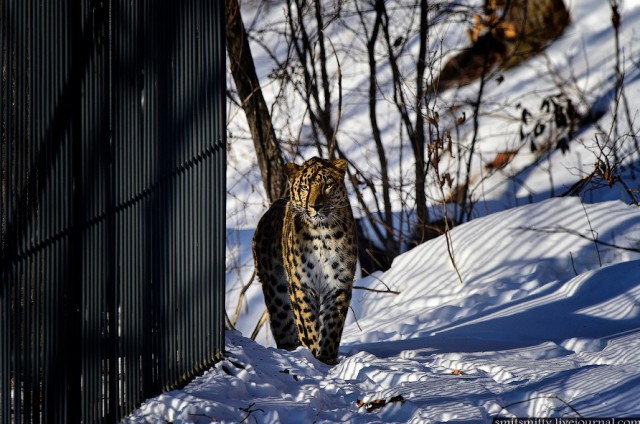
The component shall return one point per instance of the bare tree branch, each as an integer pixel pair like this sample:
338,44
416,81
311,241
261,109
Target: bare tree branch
258,117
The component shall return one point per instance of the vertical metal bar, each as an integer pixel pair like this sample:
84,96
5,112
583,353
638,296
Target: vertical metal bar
191,64
18,375
193,118
69,400
220,190
208,70
37,21
172,272
87,112
18,322
138,332
32,372
19,148
5,373
88,329
5,377
174,192
199,188
178,201
146,113
112,192
211,171
222,167
31,284
194,274
182,141
51,321
73,288
7,209
199,265
139,234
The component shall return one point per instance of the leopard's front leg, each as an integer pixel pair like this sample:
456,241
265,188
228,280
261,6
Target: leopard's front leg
305,308
304,298
333,313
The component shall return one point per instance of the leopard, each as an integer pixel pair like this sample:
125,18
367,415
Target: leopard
305,256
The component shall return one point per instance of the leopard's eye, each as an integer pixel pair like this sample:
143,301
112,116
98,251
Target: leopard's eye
328,186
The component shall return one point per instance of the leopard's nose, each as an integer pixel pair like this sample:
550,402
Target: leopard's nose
317,207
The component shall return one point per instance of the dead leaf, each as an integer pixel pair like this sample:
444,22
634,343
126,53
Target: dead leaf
502,159
376,404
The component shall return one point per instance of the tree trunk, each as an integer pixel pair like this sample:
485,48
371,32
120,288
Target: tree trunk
418,141
255,108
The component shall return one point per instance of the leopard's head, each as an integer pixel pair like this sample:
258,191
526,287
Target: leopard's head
317,189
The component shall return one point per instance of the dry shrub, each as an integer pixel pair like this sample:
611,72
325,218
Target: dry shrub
507,33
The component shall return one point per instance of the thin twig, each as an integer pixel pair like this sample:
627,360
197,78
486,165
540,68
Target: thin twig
575,411
593,233
434,157
573,265
447,236
241,297
333,141
560,229
474,140
355,317
383,283
390,242
376,290
228,324
249,411
261,321
629,191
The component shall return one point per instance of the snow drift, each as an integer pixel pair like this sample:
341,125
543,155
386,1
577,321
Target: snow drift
546,324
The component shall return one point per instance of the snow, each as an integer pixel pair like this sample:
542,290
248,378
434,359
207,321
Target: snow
539,317
546,323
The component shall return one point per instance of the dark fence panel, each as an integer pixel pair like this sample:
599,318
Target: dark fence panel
112,160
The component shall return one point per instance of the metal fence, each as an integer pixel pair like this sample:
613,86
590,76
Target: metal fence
112,160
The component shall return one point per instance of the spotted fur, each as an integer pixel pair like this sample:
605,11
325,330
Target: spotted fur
305,256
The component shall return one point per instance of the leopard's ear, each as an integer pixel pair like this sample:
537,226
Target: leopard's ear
291,169
341,165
